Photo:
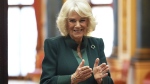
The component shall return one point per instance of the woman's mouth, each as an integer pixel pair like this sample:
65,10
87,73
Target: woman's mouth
78,30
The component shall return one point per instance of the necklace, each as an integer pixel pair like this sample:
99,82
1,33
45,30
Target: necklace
79,52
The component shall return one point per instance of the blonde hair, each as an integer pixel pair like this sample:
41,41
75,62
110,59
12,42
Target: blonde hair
82,7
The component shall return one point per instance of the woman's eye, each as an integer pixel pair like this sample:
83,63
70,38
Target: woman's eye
82,20
72,20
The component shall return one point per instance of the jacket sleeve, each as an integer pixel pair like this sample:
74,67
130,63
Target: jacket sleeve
49,65
108,79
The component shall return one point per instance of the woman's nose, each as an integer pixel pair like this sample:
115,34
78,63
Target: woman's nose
77,24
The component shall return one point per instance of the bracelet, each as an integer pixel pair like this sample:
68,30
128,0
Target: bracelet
73,79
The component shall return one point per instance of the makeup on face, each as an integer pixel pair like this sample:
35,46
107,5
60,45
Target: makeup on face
76,26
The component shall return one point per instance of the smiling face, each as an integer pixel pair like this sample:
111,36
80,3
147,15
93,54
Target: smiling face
77,26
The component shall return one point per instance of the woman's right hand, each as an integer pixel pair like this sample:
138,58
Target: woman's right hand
82,73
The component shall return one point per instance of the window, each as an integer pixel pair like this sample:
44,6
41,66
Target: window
22,37
103,11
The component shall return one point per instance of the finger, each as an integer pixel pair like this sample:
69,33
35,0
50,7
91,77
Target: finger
81,64
88,76
87,71
102,65
82,74
84,68
104,75
106,70
96,62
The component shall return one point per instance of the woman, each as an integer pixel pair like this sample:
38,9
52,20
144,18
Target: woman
75,57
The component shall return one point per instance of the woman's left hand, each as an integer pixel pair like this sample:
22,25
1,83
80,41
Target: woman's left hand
100,71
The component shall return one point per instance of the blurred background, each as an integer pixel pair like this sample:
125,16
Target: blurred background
124,26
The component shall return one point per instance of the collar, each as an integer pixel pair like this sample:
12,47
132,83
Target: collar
73,45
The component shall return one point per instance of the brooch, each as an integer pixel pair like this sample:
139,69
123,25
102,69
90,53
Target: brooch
92,46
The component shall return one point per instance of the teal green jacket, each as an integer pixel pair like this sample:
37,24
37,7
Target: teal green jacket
59,61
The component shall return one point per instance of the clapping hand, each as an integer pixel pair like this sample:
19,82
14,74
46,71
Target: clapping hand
100,71
82,73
